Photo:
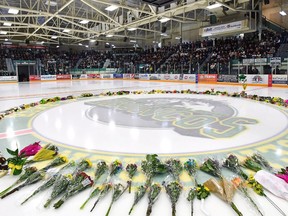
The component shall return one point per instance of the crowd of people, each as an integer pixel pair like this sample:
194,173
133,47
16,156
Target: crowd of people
188,57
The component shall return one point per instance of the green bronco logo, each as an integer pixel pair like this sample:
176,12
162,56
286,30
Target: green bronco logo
187,116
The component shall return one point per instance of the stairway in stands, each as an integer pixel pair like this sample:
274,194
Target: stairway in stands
283,51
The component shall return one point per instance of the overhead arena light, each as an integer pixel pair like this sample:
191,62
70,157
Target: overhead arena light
3,32
109,35
132,29
87,46
164,19
7,24
54,37
111,8
6,39
13,11
84,21
66,30
80,44
283,13
213,6
133,41
164,34
92,41
51,3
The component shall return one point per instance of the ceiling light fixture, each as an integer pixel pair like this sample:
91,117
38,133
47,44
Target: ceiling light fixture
54,37
13,11
132,29
3,32
51,3
6,39
133,41
109,35
80,44
111,8
66,30
84,21
92,41
214,6
283,13
7,24
164,19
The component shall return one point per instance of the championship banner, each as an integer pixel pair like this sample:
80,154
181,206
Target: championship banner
48,77
106,76
63,77
207,78
279,79
224,28
8,78
93,76
34,78
227,78
189,77
117,76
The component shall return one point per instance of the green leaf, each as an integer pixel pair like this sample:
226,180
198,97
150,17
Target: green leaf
11,152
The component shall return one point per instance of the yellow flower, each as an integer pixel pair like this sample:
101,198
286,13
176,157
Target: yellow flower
64,158
88,162
207,189
198,188
69,176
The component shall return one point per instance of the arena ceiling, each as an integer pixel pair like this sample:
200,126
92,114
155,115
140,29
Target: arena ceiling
81,21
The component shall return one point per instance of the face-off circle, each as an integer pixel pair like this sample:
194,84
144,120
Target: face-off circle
161,123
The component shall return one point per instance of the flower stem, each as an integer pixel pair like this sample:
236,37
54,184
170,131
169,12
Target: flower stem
173,209
47,203
84,204
236,209
94,205
274,204
108,211
58,204
7,189
192,208
149,210
129,186
131,209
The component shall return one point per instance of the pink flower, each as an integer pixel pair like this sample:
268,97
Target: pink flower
283,176
286,101
30,150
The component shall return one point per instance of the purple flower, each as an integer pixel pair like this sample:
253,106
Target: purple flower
30,150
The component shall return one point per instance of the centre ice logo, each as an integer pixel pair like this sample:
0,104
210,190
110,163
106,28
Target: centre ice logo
201,118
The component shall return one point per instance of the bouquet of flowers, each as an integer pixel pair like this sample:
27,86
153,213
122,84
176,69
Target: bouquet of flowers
258,158
59,187
16,162
48,152
191,168
81,182
50,182
118,190
283,174
82,166
139,194
106,187
240,185
101,168
202,192
152,166
173,190
131,169
30,150
32,179
28,171
115,168
232,163
191,196
249,163
258,189
58,161
212,167
153,195
224,190
174,167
